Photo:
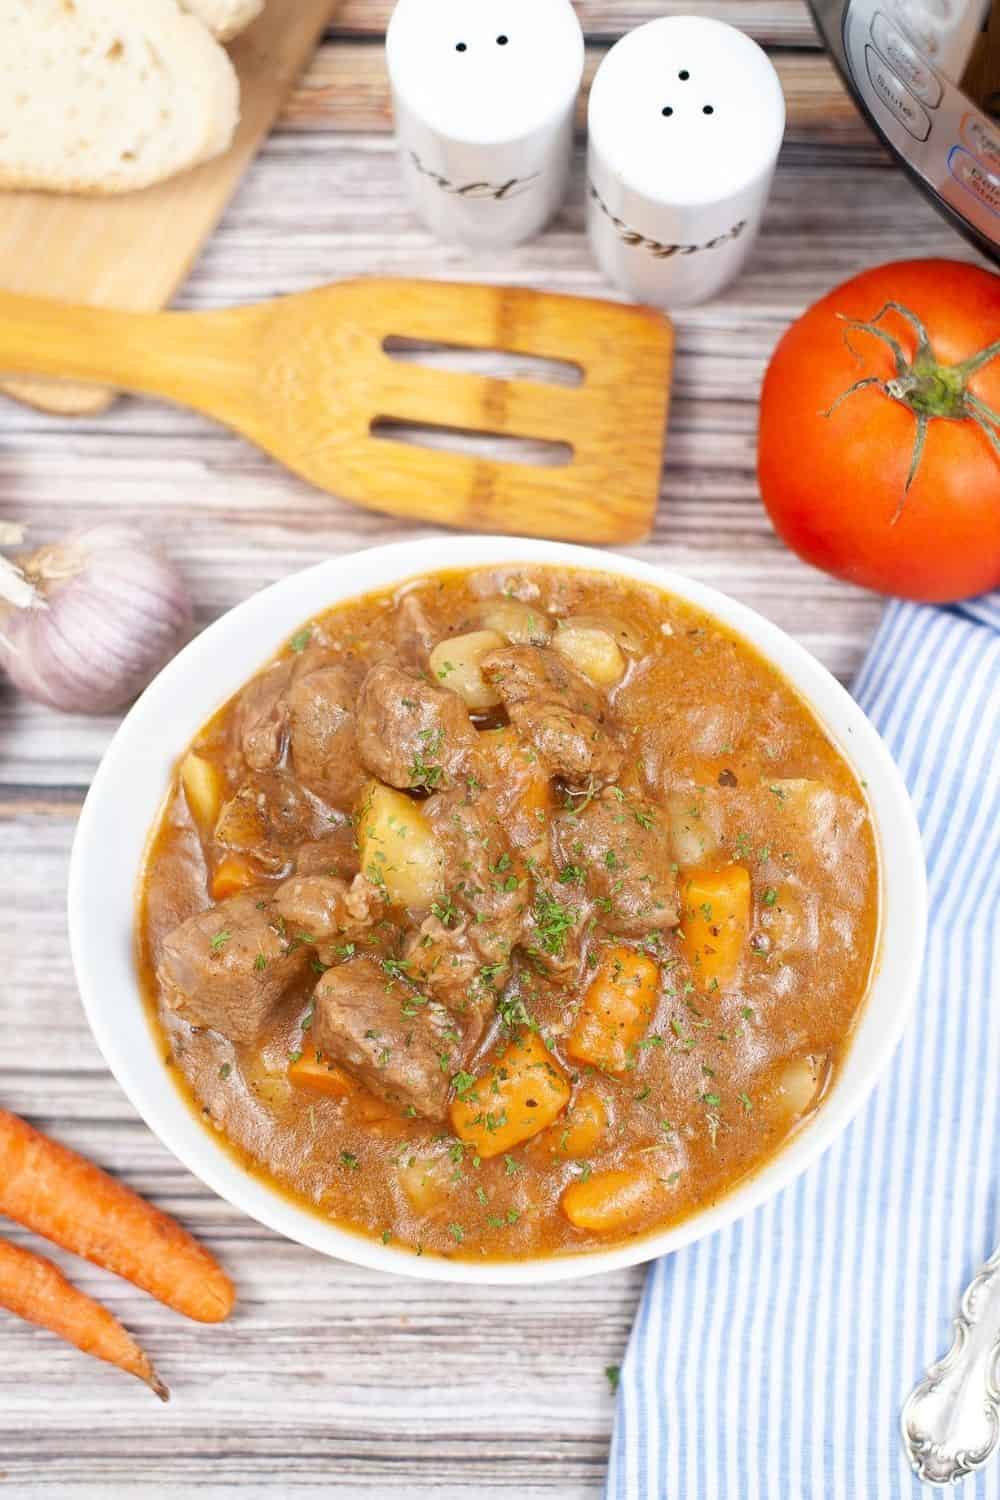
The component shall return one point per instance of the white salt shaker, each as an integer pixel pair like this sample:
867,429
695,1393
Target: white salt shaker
686,119
484,93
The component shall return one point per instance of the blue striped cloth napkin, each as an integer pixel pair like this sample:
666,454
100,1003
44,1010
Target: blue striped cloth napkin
770,1361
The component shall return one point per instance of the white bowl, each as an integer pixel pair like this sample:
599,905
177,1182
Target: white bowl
133,777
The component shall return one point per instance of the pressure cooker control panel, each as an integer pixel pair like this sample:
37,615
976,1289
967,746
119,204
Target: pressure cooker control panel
932,124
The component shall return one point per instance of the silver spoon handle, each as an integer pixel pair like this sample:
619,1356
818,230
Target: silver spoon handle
951,1421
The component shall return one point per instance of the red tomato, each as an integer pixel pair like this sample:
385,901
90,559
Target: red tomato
835,481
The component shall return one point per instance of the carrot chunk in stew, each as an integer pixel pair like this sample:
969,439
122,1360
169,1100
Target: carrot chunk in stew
309,1071
716,924
617,1008
579,1134
605,1201
234,874
518,1096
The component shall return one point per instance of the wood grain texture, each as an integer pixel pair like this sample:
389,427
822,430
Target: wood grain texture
346,88
132,251
784,23
335,1382
307,377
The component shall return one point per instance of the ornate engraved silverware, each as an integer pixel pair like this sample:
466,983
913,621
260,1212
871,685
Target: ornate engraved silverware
951,1421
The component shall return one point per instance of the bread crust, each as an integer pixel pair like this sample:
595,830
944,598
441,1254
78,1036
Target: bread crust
102,98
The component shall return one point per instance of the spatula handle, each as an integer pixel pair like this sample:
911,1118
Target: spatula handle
194,358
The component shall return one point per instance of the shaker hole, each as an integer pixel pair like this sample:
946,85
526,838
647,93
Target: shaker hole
667,111
461,47
502,41
684,75
708,110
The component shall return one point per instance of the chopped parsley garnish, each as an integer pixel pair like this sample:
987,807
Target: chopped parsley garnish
225,1070
260,963
462,1083
446,911
457,1233
425,770
613,1374
350,1161
301,639
553,921
770,896
219,941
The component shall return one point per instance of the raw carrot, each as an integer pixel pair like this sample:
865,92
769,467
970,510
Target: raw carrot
33,1288
50,1189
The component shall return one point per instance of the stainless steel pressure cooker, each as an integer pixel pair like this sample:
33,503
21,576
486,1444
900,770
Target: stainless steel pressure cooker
926,73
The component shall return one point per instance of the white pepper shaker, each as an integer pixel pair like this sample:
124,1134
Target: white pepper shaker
484,95
686,119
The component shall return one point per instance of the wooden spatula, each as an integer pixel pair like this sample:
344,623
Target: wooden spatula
307,378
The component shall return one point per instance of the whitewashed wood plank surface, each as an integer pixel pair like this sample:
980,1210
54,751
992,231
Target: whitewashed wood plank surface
332,1381
775,22
346,88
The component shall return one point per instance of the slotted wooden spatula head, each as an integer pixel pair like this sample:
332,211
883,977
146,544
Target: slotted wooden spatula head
613,421
309,378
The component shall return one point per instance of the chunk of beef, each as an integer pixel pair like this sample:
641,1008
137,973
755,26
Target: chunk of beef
410,733
521,788
482,878
401,1046
320,908
443,961
269,816
335,853
229,968
416,633
563,715
321,726
262,716
620,850
556,928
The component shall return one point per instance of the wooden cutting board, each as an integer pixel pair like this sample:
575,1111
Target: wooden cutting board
133,251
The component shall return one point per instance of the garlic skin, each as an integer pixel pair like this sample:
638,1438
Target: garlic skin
87,622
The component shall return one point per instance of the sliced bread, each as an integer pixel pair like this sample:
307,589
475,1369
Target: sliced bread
225,18
97,96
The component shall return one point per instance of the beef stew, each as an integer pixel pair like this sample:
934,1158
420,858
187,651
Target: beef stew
517,911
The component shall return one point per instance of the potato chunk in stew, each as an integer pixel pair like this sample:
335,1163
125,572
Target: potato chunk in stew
509,912
400,854
457,662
